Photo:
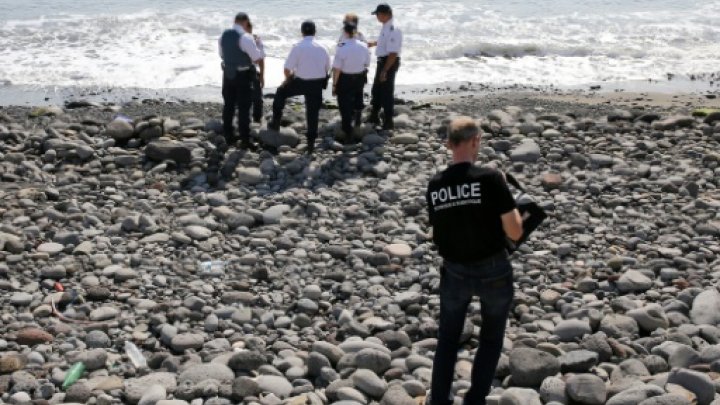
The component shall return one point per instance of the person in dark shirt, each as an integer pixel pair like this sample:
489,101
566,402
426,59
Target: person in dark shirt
472,212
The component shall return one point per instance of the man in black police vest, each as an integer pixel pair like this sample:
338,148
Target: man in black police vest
472,212
389,45
239,53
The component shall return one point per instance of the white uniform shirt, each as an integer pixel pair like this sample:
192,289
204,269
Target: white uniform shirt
308,60
260,45
344,37
352,56
390,40
247,44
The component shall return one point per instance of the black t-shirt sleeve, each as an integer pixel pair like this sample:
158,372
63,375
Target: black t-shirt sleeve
504,200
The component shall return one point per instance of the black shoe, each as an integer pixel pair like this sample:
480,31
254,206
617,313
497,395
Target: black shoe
310,148
257,120
212,177
247,145
374,118
230,140
274,125
388,125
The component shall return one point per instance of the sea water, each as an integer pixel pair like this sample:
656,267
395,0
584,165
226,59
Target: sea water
172,44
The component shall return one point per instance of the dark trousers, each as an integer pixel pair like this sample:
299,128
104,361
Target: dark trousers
237,95
383,93
312,90
350,98
257,99
492,281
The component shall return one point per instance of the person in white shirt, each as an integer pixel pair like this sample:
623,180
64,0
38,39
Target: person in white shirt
389,45
351,18
349,77
258,80
306,73
239,52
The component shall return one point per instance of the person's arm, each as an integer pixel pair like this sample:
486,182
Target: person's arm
394,44
261,65
337,68
328,62
430,209
291,63
248,45
389,63
507,208
371,44
261,62
336,77
512,224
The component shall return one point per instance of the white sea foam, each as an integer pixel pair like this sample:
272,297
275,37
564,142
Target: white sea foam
453,41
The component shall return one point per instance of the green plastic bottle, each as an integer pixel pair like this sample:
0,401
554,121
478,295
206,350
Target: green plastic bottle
74,374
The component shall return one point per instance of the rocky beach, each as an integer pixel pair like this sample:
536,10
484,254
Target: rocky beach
290,279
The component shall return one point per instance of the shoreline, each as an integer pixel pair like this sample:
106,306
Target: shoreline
669,92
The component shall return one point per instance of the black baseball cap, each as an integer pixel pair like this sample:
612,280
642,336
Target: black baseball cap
382,8
242,17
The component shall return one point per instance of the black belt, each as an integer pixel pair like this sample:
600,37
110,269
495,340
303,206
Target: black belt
383,58
309,80
362,74
500,255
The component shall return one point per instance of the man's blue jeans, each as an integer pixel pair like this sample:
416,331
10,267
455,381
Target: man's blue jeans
491,280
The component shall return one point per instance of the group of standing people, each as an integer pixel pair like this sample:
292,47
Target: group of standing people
471,209
308,69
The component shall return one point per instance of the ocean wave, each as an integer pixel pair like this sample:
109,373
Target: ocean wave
454,41
487,49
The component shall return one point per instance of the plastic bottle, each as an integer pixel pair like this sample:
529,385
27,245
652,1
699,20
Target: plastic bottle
74,374
136,357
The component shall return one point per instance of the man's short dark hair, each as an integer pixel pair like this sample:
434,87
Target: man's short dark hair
462,129
241,17
308,28
383,8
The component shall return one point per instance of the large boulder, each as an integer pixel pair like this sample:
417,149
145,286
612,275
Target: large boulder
520,396
632,281
706,308
529,367
284,137
698,383
119,129
528,152
678,121
586,389
161,150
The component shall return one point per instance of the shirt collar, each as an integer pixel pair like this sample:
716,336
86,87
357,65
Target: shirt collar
309,38
240,30
388,23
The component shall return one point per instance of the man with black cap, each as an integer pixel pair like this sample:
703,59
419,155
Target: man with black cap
349,76
472,213
239,53
389,46
306,73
